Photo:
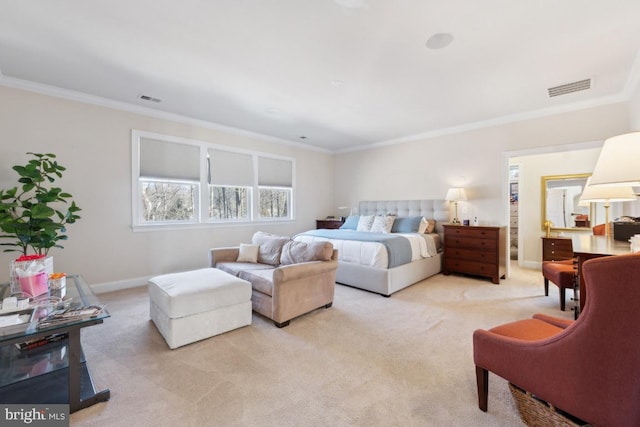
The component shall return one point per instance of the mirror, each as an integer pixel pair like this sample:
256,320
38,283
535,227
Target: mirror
560,197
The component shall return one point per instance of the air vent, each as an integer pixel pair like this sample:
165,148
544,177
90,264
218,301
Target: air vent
569,88
149,98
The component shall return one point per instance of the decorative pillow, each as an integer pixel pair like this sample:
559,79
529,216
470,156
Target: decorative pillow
248,253
295,252
382,224
427,226
365,222
406,224
351,223
270,247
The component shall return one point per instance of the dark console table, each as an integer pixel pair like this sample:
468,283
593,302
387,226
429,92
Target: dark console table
54,373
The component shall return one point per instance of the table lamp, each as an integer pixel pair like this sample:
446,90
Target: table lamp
606,194
456,194
618,162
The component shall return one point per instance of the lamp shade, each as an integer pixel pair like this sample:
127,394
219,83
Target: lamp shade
618,164
606,193
455,194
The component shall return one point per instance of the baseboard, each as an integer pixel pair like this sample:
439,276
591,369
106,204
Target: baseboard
535,265
102,288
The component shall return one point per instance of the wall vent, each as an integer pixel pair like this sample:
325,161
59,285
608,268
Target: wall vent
569,88
149,98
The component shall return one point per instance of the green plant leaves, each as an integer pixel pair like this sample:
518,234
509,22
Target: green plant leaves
33,215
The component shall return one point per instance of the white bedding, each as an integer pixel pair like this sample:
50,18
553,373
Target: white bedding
372,254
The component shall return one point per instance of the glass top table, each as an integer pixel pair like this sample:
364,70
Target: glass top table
26,379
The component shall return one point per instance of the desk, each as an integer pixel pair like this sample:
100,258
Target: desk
55,372
586,247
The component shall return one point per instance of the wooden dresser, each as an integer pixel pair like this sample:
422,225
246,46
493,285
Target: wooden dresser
556,248
479,251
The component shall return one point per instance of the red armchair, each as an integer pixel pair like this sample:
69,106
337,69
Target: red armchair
589,368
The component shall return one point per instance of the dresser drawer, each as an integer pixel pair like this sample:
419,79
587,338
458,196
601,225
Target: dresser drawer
475,232
470,242
472,255
471,267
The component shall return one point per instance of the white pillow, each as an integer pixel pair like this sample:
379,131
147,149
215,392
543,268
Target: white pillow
382,224
365,222
248,253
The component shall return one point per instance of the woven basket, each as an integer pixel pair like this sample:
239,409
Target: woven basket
538,413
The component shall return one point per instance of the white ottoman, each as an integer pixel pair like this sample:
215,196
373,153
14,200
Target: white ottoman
194,305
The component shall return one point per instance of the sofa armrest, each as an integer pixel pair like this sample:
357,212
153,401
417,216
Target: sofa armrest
286,273
228,254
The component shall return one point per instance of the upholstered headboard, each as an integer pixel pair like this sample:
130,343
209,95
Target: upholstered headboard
430,209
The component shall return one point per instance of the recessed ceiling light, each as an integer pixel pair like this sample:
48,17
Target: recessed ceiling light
439,40
337,83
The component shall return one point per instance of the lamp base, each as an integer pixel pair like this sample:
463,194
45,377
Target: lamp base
455,221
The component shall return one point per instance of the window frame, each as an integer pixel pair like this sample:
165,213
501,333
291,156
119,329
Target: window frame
203,196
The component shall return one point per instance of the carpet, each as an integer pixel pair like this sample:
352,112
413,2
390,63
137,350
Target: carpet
406,360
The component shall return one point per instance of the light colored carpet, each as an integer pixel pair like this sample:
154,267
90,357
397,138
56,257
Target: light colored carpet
406,360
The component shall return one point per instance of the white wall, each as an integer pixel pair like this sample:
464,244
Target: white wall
94,143
634,110
473,159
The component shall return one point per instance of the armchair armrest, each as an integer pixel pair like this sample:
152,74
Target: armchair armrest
228,254
555,321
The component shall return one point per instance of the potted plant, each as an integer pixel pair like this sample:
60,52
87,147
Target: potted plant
34,214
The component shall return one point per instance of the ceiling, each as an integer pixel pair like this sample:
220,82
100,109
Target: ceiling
332,74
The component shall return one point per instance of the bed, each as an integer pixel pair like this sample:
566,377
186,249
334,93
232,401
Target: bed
368,264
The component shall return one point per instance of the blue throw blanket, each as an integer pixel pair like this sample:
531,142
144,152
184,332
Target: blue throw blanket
398,247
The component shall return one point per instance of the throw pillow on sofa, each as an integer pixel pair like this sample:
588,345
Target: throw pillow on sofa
248,253
295,252
270,247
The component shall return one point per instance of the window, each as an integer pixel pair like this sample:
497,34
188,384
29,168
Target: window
229,203
167,201
274,183
274,202
230,177
181,181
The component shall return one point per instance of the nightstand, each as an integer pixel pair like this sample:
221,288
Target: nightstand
479,251
556,248
330,224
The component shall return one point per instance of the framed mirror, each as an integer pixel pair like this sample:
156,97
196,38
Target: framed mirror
560,202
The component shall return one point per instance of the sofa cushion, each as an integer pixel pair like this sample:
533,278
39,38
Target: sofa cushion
236,267
295,252
248,253
261,280
270,247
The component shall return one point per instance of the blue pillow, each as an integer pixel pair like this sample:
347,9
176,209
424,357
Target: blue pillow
351,223
407,224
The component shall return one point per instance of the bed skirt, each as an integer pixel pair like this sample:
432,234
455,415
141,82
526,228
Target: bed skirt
387,281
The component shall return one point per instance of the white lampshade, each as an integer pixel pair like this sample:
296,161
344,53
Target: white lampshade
605,193
619,162
455,194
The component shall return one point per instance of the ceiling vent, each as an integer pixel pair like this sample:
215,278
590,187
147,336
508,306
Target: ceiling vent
569,88
149,98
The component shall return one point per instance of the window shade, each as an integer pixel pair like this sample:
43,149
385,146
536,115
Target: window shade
229,168
275,172
159,159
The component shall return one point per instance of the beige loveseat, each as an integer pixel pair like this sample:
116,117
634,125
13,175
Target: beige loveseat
288,278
